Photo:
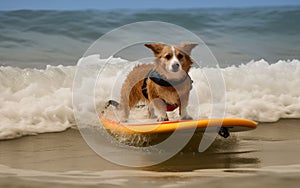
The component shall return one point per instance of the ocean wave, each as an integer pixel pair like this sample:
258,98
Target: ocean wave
35,101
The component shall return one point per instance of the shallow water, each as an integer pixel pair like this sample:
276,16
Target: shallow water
268,156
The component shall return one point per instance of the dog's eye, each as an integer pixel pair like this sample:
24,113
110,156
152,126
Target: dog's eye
168,57
180,56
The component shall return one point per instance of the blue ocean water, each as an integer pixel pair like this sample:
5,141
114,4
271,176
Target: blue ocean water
36,38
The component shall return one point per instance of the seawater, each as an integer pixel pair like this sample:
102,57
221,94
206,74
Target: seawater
257,50
37,38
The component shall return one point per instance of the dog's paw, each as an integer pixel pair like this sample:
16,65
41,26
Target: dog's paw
163,118
186,117
123,119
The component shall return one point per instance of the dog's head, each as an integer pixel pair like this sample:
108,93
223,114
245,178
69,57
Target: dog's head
172,61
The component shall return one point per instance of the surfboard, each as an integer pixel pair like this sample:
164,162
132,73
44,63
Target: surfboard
224,125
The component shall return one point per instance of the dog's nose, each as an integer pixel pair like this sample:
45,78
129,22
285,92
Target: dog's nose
175,67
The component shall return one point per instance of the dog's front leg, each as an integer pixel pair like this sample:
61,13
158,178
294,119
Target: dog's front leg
151,113
159,109
182,107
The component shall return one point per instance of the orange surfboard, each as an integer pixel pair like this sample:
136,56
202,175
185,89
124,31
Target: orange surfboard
227,124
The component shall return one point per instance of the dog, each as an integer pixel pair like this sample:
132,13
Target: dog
163,85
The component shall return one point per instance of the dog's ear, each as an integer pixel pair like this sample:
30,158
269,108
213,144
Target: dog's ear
155,47
187,47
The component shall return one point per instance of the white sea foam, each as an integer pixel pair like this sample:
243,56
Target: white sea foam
34,101
264,92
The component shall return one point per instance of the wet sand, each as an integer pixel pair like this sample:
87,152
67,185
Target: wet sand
268,154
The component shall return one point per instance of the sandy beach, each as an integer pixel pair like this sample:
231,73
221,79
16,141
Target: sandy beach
270,154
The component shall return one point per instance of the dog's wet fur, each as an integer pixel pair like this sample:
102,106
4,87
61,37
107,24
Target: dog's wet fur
172,63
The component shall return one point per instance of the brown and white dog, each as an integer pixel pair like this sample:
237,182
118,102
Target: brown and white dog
164,85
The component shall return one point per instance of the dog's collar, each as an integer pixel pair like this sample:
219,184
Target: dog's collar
155,77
